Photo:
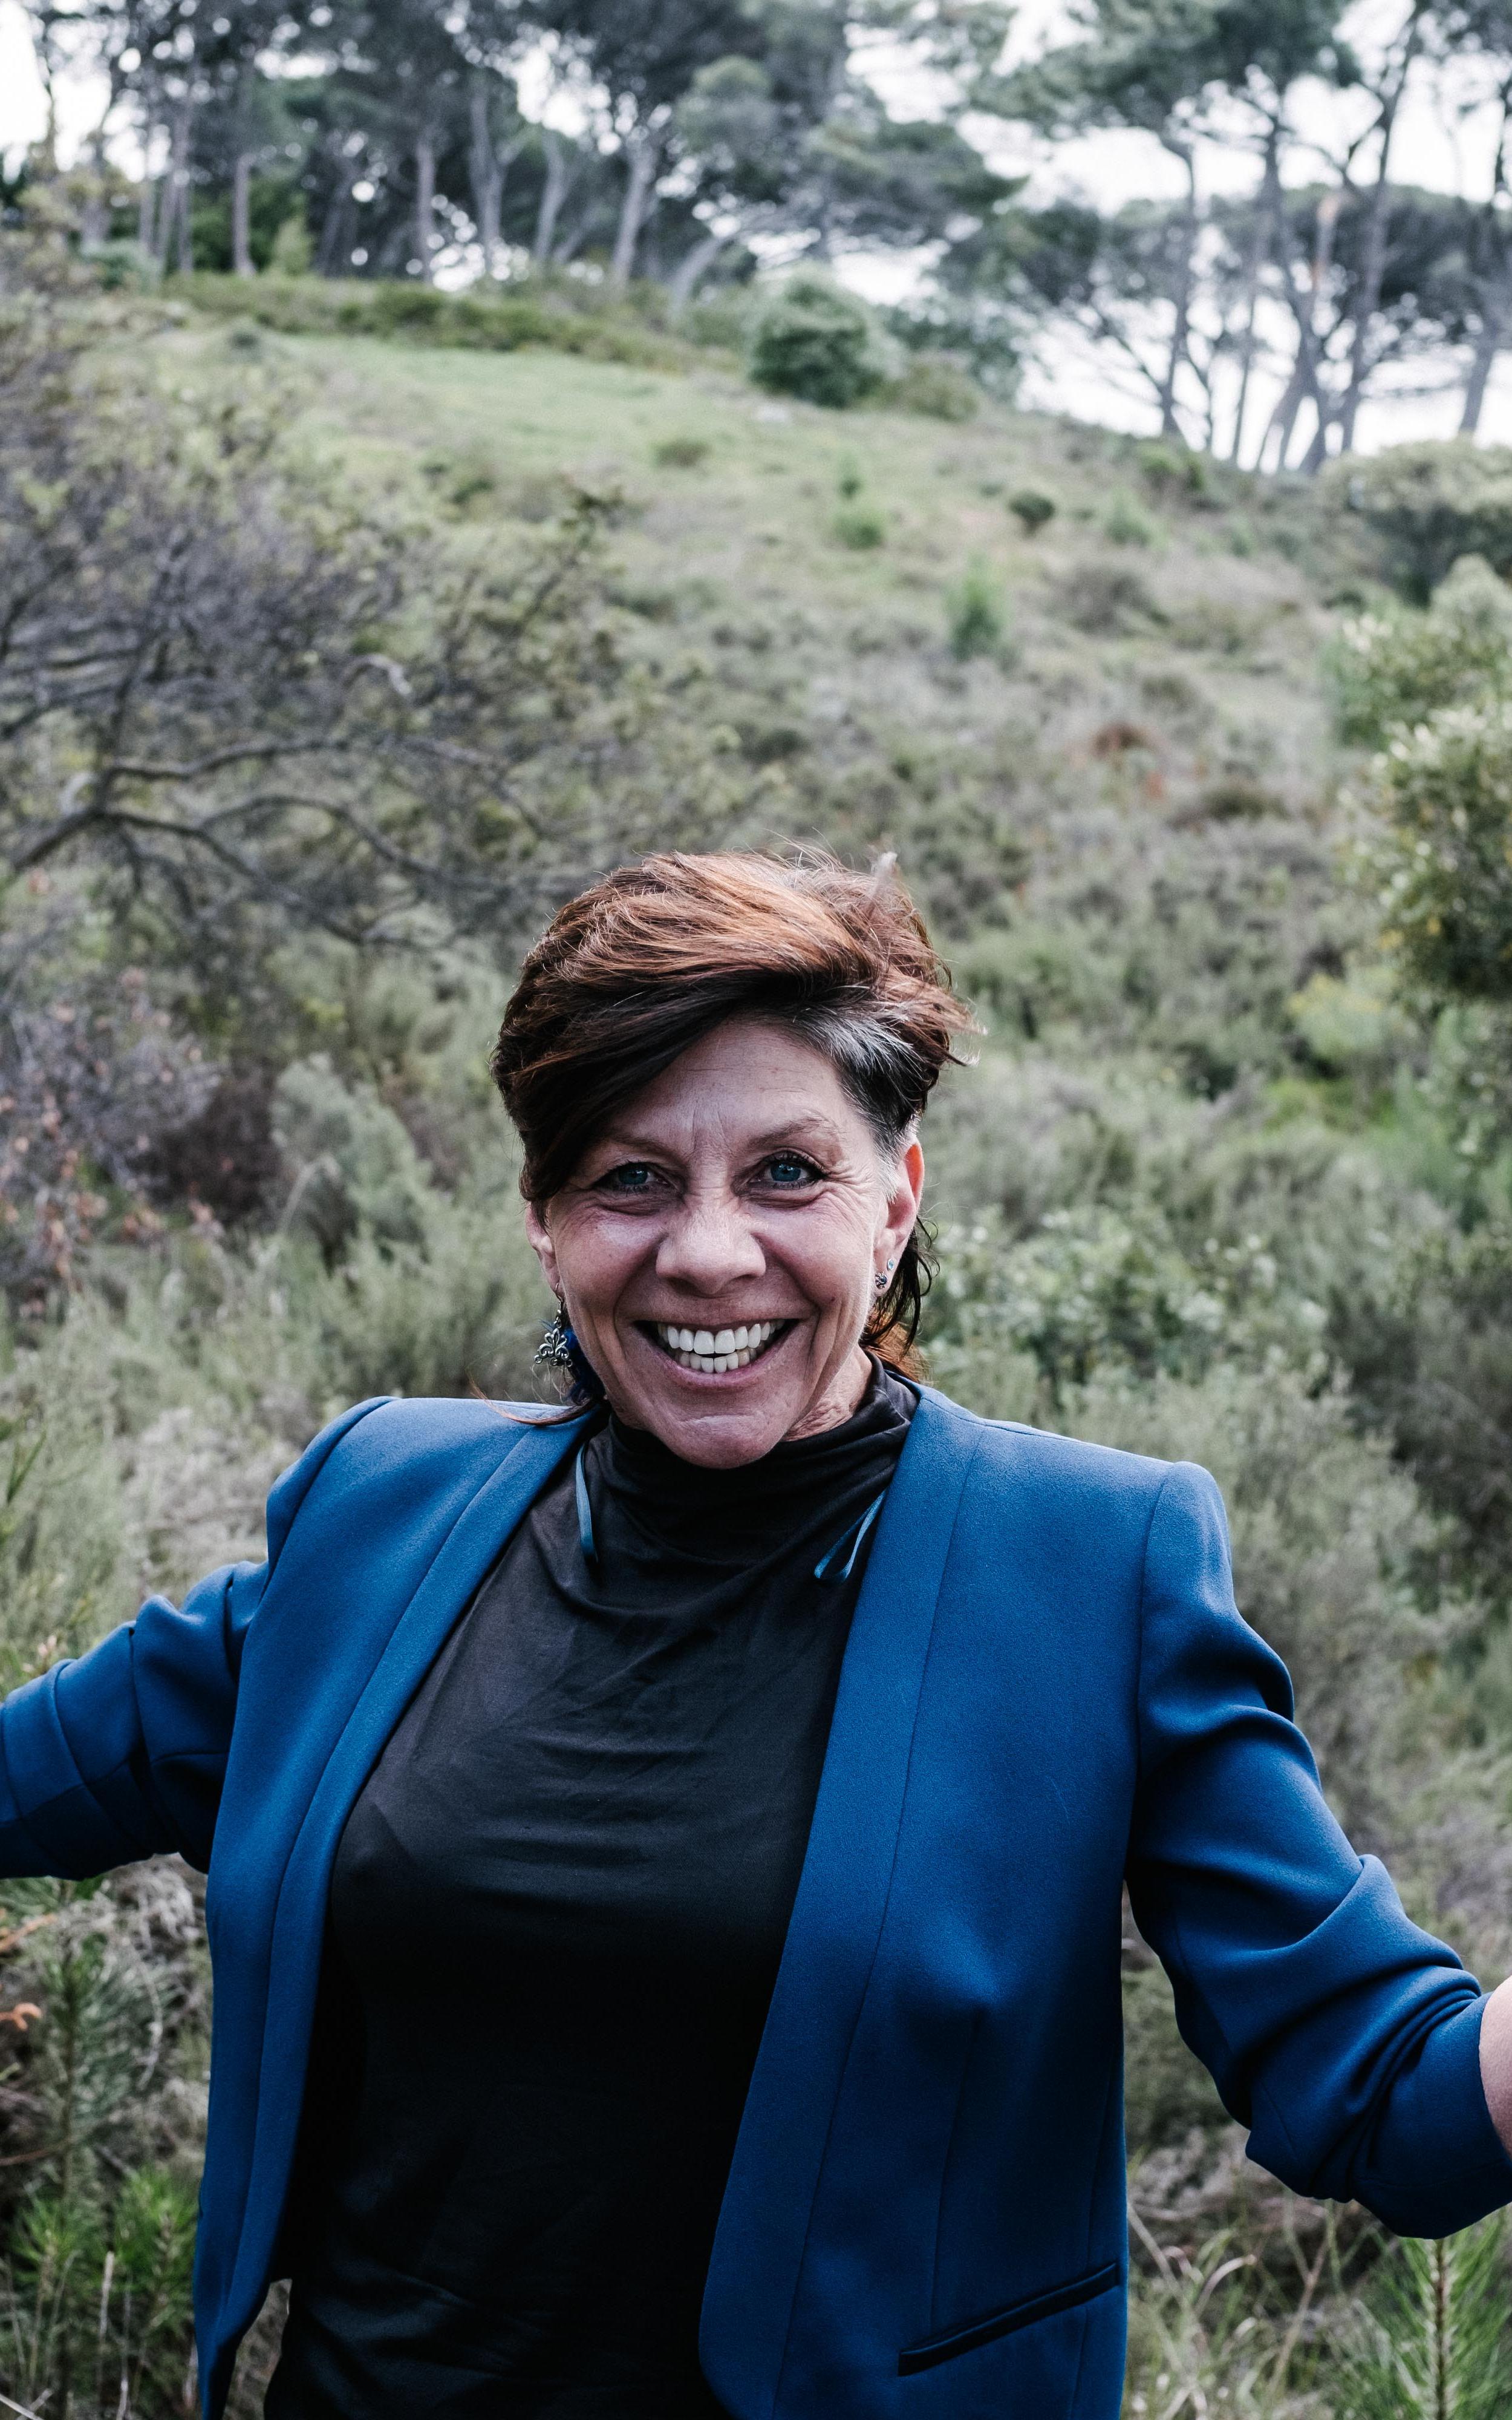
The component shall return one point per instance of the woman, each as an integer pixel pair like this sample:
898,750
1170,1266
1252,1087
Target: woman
665,1860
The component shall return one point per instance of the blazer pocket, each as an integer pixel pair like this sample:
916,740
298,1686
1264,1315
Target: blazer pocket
1076,2290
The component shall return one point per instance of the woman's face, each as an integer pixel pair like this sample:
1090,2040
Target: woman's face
717,1246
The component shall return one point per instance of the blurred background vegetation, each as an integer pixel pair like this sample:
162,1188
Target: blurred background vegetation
347,623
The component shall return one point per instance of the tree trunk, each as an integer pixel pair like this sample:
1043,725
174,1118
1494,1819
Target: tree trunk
242,265
1483,361
1495,291
1258,253
94,225
176,239
641,176
569,245
689,270
147,196
1169,425
426,203
1373,268
487,182
1305,380
553,193
334,244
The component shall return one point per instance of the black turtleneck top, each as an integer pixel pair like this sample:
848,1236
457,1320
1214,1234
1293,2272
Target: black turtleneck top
556,1916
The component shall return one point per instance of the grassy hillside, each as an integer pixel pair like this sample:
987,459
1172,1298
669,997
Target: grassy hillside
1210,1192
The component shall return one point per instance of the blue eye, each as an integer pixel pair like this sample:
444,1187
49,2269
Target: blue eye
634,1176
787,1168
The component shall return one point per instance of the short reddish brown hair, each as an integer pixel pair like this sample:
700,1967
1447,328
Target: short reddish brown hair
634,971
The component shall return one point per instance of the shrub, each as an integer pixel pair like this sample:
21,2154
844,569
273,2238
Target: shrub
680,453
414,314
1171,469
816,341
1239,797
1431,503
935,387
1439,854
1126,525
293,252
1102,598
1033,509
859,527
1398,668
975,620
1436,2334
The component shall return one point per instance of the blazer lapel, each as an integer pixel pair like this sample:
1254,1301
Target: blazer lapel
299,1921
836,1923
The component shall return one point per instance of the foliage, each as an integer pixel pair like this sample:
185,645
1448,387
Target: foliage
938,388
1437,2337
557,320
276,705
1439,858
1398,668
1125,524
975,620
861,527
1032,509
814,340
1430,502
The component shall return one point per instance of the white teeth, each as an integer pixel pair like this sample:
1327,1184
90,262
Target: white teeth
712,1352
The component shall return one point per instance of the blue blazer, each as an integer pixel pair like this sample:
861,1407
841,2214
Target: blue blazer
1047,1688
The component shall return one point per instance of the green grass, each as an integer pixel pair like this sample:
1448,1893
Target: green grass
739,550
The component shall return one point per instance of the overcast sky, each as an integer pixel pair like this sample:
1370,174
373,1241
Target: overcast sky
1443,142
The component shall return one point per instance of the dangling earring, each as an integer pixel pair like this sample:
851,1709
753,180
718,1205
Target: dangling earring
880,1280
558,1348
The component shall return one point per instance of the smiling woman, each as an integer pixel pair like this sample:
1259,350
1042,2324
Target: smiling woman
667,1855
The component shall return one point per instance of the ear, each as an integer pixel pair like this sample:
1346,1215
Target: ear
905,1200
538,1236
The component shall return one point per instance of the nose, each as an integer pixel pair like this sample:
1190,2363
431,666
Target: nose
709,1246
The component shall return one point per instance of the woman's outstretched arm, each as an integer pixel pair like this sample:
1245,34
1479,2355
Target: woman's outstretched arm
1347,2040
119,1754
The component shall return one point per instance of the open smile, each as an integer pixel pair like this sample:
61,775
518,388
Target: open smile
712,1351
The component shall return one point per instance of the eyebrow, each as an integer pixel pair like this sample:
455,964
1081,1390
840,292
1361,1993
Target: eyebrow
818,1132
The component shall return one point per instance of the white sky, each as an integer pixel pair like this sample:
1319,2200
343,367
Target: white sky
1443,142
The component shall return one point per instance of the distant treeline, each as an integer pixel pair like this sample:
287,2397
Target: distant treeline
390,140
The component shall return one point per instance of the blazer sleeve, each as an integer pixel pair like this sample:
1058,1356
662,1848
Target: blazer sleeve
120,1753
1344,2038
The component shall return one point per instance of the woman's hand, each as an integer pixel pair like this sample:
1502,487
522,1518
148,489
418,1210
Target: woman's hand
1496,2062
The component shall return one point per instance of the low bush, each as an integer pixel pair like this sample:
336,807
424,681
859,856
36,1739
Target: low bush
976,616
1103,598
1430,504
417,313
1391,669
936,387
814,340
1125,524
1437,853
1032,508
859,527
